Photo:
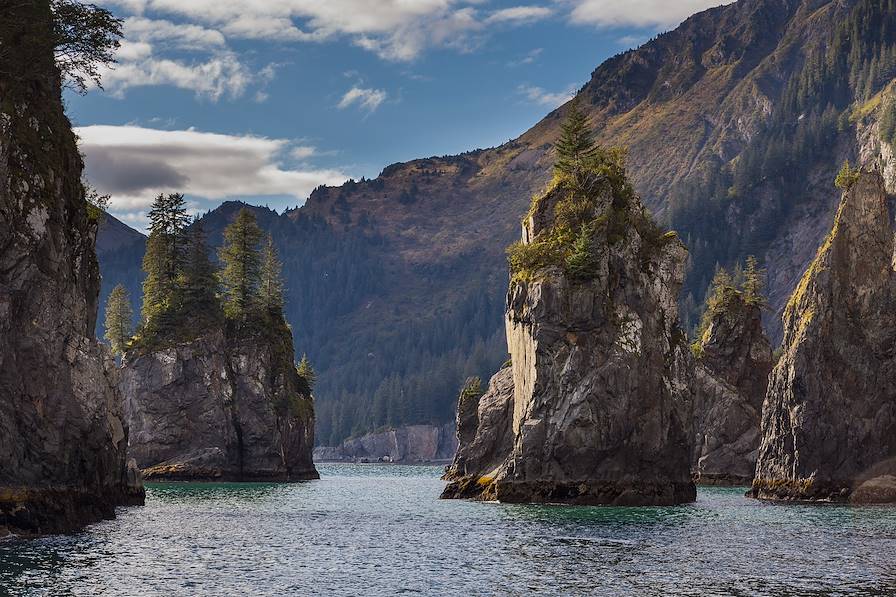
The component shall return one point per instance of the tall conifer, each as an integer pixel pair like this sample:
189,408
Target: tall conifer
241,273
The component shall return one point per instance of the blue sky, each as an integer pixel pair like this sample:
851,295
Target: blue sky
262,100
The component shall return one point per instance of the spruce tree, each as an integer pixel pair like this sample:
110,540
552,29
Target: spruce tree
241,273
754,283
118,319
270,292
163,262
575,147
199,281
306,372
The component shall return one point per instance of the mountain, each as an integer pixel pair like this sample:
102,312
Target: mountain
119,249
735,124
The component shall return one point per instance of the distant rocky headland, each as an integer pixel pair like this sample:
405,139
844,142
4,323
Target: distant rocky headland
413,444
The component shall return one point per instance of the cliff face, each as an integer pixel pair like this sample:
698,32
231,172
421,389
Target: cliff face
62,436
732,377
406,445
224,406
829,418
602,397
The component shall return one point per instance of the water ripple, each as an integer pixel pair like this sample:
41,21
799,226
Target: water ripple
379,530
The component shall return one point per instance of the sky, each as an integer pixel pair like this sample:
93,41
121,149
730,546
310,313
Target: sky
264,100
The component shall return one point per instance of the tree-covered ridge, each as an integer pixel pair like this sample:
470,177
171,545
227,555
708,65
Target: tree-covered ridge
592,196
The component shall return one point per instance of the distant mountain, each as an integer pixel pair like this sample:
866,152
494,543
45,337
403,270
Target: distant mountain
735,123
119,249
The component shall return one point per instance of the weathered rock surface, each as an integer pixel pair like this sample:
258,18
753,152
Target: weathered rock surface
485,437
829,418
408,444
222,407
731,380
63,440
602,395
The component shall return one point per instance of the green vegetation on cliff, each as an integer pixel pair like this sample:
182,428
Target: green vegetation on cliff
593,197
730,294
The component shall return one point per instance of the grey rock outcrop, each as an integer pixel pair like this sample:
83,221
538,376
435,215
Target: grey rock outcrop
829,418
63,440
221,407
601,374
731,380
485,437
406,445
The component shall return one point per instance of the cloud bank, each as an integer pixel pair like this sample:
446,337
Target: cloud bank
134,164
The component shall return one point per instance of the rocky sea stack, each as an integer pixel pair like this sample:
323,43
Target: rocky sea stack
228,405
63,439
734,359
829,419
601,405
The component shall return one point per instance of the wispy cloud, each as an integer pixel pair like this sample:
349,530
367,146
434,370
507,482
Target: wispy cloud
519,14
368,99
639,13
539,95
396,30
530,57
133,164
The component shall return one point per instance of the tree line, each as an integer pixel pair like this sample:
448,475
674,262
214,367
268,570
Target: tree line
185,293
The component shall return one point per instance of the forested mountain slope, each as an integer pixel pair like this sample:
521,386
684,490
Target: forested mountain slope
735,123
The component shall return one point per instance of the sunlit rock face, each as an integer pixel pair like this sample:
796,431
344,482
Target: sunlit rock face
601,376
829,418
731,381
63,440
223,406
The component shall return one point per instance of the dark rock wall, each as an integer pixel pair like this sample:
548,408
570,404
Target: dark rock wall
223,407
62,436
829,418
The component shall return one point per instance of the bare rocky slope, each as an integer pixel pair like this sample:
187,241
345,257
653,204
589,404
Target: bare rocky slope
734,123
224,406
829,419
63,438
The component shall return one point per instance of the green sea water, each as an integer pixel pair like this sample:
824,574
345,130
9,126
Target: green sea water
381,530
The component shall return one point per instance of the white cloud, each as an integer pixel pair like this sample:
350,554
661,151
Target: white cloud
639,13
303,152
542,97
183,36
519,14
221,75
369,99
134,164
397,30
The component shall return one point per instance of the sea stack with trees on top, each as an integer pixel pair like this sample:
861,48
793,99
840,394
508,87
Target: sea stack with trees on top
211,389
600,370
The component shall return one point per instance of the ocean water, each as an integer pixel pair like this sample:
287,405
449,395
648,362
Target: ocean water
381,530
